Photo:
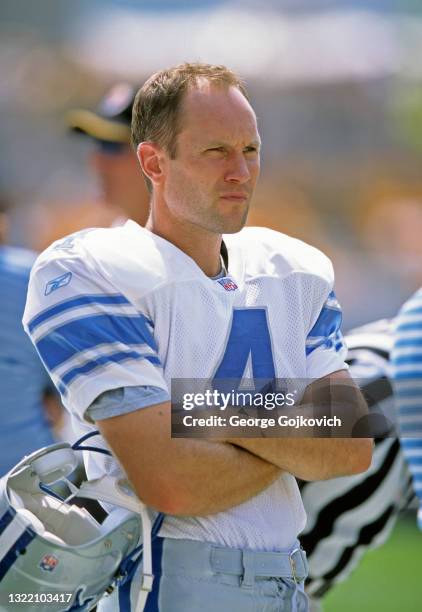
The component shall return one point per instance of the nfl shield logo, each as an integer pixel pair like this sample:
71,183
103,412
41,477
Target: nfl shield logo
228,284
49,563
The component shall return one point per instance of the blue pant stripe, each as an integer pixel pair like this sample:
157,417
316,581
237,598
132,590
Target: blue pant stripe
157,559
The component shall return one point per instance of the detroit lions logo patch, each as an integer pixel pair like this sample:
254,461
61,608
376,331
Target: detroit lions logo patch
57,283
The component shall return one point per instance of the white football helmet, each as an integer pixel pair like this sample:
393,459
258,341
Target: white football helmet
54,555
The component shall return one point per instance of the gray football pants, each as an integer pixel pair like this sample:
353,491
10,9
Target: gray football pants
193,576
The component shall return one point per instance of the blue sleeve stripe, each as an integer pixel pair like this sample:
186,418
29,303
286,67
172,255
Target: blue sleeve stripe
328,323
408,359
335,342
417,460
75,303
339,346
410,410
411,310
408,343
326,331
406,393
88,367
81,334
408,375
410,326
325,343
411,444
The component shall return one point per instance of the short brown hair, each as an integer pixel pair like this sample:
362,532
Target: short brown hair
157,104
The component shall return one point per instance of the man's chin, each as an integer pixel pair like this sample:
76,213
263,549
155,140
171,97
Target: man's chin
233,229
231,224
235,225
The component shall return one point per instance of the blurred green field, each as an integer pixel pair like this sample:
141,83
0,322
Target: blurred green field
388,579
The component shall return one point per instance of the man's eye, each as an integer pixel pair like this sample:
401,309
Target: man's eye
217,149
251,150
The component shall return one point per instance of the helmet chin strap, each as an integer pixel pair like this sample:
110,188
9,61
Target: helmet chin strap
110,489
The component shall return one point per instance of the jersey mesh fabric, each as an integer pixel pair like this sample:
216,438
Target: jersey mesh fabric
289,322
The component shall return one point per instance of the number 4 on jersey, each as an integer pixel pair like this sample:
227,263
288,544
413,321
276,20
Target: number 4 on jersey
249,337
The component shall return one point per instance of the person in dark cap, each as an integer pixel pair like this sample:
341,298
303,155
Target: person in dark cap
113,161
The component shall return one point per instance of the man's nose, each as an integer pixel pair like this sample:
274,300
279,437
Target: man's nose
238,170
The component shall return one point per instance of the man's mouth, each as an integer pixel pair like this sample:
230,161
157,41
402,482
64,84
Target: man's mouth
235,196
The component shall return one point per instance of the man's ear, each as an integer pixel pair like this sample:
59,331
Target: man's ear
150,157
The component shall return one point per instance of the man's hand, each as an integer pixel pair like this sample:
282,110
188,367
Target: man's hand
319,458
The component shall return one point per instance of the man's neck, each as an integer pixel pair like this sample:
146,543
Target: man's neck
202,246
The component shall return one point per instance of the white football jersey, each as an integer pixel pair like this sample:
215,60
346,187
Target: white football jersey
121,307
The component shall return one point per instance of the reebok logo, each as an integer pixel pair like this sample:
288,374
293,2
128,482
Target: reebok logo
56,283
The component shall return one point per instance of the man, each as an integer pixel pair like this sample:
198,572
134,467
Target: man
118,313
406,361
348,516
25,386
112,159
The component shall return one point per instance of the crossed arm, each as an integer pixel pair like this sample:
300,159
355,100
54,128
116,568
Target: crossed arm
311,458
183,476
199,477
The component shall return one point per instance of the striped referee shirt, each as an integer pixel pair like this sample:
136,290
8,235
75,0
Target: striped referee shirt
407,377
349,515
23,378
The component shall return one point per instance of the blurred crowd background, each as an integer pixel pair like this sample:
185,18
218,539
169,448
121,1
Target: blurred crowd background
337,86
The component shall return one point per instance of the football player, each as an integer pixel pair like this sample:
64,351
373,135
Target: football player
117,314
